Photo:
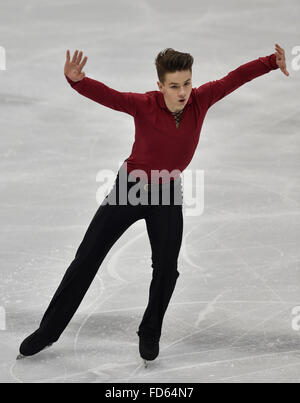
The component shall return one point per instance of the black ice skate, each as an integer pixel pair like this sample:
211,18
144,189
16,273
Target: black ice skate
148,347
33,344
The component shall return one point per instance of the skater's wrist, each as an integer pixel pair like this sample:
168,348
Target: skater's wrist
71,81
273,64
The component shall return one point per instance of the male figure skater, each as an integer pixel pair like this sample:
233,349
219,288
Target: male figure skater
167,128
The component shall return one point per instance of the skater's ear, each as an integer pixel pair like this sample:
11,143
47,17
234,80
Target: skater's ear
160,85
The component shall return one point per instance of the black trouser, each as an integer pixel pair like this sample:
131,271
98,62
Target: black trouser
164,224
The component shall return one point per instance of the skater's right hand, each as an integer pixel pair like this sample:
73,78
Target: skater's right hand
73,67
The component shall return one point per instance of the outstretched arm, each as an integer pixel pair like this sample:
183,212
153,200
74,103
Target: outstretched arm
213,91
95,90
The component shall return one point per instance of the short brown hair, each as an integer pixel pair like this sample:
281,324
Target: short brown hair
170,60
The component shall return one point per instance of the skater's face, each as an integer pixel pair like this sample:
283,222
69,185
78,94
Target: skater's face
177,86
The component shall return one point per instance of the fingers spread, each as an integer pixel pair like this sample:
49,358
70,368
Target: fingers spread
68,55
83,63
79,57
279,49
75,56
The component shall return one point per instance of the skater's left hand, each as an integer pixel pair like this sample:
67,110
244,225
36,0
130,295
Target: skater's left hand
280,59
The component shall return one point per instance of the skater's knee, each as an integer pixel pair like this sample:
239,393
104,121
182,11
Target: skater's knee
165,269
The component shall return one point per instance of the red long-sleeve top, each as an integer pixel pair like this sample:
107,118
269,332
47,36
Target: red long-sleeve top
159,144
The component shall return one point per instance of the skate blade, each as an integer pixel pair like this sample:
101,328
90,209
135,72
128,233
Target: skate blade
145,363
21,356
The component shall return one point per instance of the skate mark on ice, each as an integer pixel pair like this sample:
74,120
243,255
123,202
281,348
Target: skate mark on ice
258,325
189,335
251,269
112,264
184,251
208,309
